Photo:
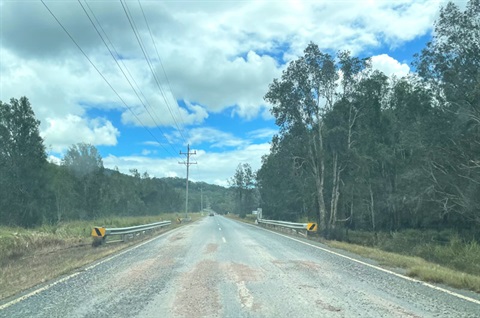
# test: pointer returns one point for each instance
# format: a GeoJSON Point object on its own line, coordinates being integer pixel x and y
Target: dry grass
{"type": "Point", "coordinates": [29, 257]}
{"type": "Point", "coordinates": [249, 218]}
{"type": "Point", "coordinates": [415, 266]}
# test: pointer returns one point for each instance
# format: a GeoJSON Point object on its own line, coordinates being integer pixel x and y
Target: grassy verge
{"type": "Point", "coordinates": [453, 262]}
{"type": "Point", "coordinates": [249, 218]}
{"type": "Point", "coordinates": [29, 257]}
{"type": "Point", "coordinates": [415, 266]}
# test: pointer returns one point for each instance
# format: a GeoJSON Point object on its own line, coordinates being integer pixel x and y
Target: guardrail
{"type": "Point", "coordinates": [308, 227]}
{"type": "Point", "coordinates": [100, 234]}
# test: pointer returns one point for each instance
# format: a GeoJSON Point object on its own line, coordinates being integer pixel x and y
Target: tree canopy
{"type": "Point", "coordinates": [364, 151]}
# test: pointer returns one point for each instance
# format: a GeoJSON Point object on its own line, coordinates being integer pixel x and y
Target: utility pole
{"type": "Point", "coordinates": [188, 163]}
{"type": "Point", "coordinates": [201, 199]}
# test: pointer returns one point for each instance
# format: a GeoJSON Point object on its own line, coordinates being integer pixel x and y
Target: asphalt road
{"type": "Point", "coordinates": [221, 268]}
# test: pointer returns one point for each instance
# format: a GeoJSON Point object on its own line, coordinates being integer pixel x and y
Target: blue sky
{"type": "Point", "coordinates": [217, 60]}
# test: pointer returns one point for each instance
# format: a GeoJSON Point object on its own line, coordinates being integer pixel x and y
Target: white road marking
{"type": "Point", "coordinates": [473, 300]}
{"type": "Point", "coordinates": [224, 240]}
{"type": "Point", "coordinates": [39, 290]}
{"type": "Point", "coordinates": [219, 228]}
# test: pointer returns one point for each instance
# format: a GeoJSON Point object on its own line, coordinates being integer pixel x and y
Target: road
{"type": "Point", "coordinates": [218, 267]}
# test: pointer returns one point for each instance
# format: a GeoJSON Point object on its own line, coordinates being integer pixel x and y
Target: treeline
{"type": "Point", "coordinates": [35, 191]}
{"type": "Point", "coordinates": [359, 150]}
{"type": "Point", "coordinates": [245, 193]}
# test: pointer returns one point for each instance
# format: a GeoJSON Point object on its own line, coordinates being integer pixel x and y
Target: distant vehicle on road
{"type": "Point", "coordinates": [211, 214]}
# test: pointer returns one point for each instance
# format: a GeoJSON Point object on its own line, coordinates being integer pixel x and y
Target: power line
{"type": "Point", "coordinates": [159, 59]}
{"type": "Point", "coordinates": [98, 71]}
{"type": "Point", "coordinates": [187, 163]}
{"type": "Point", "coordinates": [135, 31]}
{"type": "Point", "coordinates": [148, 60]}
{"type": "Point", "coordinates": [121, 69]}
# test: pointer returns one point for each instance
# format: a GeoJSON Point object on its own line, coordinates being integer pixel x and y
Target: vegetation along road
{"type": "Point", "coordinates": [218, 267]}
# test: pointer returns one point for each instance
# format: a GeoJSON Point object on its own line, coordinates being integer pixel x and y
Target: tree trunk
{"type": "Point", "coordinates": [335, 192]}
{"type": "Point", "coordinates": [372, 208]}
{"type": "Point", "coordinates": [317, 164]}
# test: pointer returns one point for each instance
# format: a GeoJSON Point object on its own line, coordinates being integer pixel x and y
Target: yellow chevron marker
{"type": "Point", "coordinates": [98, 232]}
{"type": "Point", "coordinates": [312, 227]}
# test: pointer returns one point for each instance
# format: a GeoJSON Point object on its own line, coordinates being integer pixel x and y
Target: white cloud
{"type": "Point", "coordinates": [54, 159]}
{"type": "Point", "coordinates": [61, 133]}
{"type": "Point", "coordinates": [211, 167]}
{"type": "Point", "coordinates": [262, 133]}
{"type": "Point", "coordinates": [389, 66]}
{"type": "Point", "coordinates": [151, 143]}
{"type": "Point", "coordinates": [217, 55]}
{"type": "Point", "coordinates": [214, 137]}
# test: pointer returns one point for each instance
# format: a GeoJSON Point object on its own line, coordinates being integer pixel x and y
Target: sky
{"type": "Point", "coordinates": [167, 74]}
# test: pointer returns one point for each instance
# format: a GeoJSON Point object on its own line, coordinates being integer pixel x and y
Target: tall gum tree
{"type": "Point", "coordinates": [450, 63]}
{"type": "Point", "coordinates": [22, 165]}
{"type": "Point", "coordinates": [304, 94]}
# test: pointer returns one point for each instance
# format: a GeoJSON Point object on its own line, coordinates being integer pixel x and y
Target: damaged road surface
{"type": "Point", "coordinates": [221, 268]}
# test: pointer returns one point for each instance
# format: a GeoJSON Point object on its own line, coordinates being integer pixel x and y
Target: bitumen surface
{"type": "Point", "coordinates": [218, 267]}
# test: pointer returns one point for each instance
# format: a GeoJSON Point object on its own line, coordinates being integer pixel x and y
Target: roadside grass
{"type": "Point", "coordinates": [415, 266]}
{"type": "Point", "coordinates": [437, 257]}
{"type": "Point", "coordinates": [29, 257]}
{"type": "Point", "coordinates": [249, 218]}
{"type": "Point", "coordinates": [445, 248]}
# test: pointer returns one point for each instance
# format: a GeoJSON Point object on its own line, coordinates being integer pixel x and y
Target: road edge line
{"type": "Point", "coordinates": [472, 300]}
{"type": "Point", "coordinates": [81, 270]}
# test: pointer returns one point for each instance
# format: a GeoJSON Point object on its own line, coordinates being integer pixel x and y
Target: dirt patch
{"type": "Point", "coordinates": [393, 309]}
{"type": "Point", "coordinates": [308, 265]}
{"type": "Point", "coordinates": [211, 248]}
{"type": "Point", "coordinates": [242, 272]}
{"type": "Point", "coordinates": [176, 237]}
{"type": "Point", "coordinates": [198, 295]}
{"type": "Point", "coordinates": [326, 306]}
{"type": "Point", "coordinates": [142, 271]}
{"type": "Point", "coordinates": [297, 265]}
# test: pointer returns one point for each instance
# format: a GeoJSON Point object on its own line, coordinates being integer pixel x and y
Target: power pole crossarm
{"type": "Point", "coordinates": [187, 163]}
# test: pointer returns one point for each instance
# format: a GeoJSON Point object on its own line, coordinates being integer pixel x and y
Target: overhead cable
{"type": "Point", "coordinates": [99, 72]}
{"type": "Point", "coordinates": [137, 35]}
{"type": "Point", "coordinates": [121, 69]}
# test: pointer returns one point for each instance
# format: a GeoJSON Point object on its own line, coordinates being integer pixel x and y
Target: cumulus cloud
{"type": "Point", "coordinates": [63, 132]}
{"type": "Point", "coordinates": [218, 55]}
{"type": "Point", "coordinates": [389, 66]}
{"type": "Point", "coordinates": [262, 133]}
{"type": "Point", "coordinates": [214, 137]}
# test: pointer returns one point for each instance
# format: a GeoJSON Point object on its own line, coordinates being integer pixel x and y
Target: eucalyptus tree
{"type": "Point", "coordinates": [308, 90]}
{"type": "Point", "coordinates": [22, 165]}
{"type": "Point", "coordinates": [243, 184]}
{"type": "Point", "coordinates": [84, 162]}
{"type": "Point", "coordinates": [450, 63]}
